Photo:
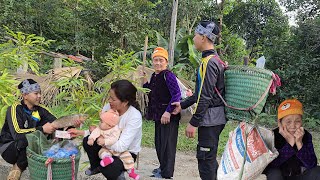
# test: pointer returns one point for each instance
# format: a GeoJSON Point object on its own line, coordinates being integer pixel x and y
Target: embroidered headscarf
{"type": "Point", "coordinates": [207, 31]}
{"type": "Point", "coordinates": [28, 86]}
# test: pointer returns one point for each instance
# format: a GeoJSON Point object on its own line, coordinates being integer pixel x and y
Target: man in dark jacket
{"type": "Point", "coordinates": [209, 115]}
{"type": "Point", "coordinates": [22, 118]}
{"type": "Point", "coordinates": [297, 159]}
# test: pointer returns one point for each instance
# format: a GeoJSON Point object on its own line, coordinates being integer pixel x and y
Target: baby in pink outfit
{"type": "Point", "coordinates": [110, 131]}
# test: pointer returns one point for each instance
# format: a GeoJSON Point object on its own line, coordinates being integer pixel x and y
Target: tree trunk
{"type": "Point", "coordinates": [23, 68]}
{"type": "Point", "coordinates": [246, 61]}
{"type": "Point", "coordinates": [144, 57]}
{"type": "Point", "coordinates": [173, 31]}
{"type": "Point", "coordinates": [220, 27]}
{"type": "Point", "coordinates": [57, 63]}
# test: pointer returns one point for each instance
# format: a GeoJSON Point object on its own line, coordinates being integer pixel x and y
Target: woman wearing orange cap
{"type": "Point", "coordinates": [164, 91]}
{"type": "Point", "coordinates": [297, 159]}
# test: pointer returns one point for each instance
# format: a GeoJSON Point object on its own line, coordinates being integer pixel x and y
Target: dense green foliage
{"type": "Point", "coordinates": [19, 50]}
{"type": "Point", "coordinates": [97, 29]}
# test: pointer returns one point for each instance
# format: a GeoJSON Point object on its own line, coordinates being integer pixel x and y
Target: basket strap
{"type": "Point", "coordinates": [251, 107]}
{"type": "Point", "coordinates": [73, 167]}
{"type": "Point", "coordinates": [48, 165]}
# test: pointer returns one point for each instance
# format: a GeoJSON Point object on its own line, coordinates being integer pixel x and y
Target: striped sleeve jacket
{"type": "Point", "coordinates": [20, 121]}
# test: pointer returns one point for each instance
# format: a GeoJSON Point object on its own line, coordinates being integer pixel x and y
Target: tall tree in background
{"type": "Point", "coordinates": [79, 25]}
{"type": "Point", "coordinates": [190, 12]}
{"type": "Point", "coordinates": [297, 58]}
{"type": "Point", "coordinates": [258, 23]}
{"type": "Point", "coordinates": [307, 9]}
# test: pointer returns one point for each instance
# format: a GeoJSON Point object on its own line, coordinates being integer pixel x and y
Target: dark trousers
{"type": "Point", "coordinates": [311, 174]}
{"type": "Point", "coordinates": [14, 156]}
{"type": "Point", "coordinates": [113, 170]}
{"type": "Point", "coordinates": [208, 139]}
{"type": "Point", "coordinates": [166, 136]}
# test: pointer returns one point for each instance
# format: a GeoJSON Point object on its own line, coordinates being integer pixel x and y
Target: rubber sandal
{"type": "Point", "coordinates": [14, 174]}
{"type": "Point", "coordinates": [90, 172]}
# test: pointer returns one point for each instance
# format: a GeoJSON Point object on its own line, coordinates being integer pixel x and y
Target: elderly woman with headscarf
{"type": "Point", "coordinates": [297, 159]}
{"type": "Point", "coordinates": [164, 91]}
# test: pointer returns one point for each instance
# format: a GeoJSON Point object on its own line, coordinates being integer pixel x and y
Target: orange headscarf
{"type": "Point", "coordinates": [288, 107]}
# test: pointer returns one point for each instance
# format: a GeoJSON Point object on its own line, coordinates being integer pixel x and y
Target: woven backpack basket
{"type": "Point", "coordinates": [247, 89]}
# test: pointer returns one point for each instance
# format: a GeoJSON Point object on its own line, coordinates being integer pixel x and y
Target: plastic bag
{"type": "Point", "coordinates": [56, 151]}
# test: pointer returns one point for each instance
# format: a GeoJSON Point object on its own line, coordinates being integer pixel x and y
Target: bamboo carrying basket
{"type": "Point", "coordinates": [62, 169]}
{"type": "Point", "coordinates": [247, 89]}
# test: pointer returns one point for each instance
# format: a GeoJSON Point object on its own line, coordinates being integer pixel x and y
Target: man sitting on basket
{"type": "Point", "coordinates": [22, 118]}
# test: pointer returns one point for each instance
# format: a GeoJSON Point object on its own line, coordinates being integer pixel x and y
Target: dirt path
{"type": "Point", "coordinates": [186, 166]}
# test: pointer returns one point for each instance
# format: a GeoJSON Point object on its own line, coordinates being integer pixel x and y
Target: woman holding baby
{"type": "Point", "coordinates": [122, 98]}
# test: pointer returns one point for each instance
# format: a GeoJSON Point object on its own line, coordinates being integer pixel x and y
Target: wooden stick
{"type": "Point", "coordinates": [144, 57]}
{"type": "Point", "coordinates": [173, 32]}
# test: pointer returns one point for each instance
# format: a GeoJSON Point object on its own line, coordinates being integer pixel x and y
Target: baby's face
{"type": "Point", "coordinates": [105, 126]}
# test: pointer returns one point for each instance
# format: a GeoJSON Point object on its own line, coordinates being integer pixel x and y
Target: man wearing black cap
{"type": "Point", "coordinates": [209, 115]}
{"type": "Point", "coordinates": [22, 118]}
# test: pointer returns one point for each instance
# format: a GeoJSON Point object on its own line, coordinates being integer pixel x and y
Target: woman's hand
{"type": "Point", "coordinates": [165, 118]}
{"type": "Point", "coordinates": [100, 141]}
{"type": "Point", "coordinates": [143, 75]}
{"type": "Point", "coordinates": [90, 142]}
{"type": "Point", "coordinates": [75, 132]}
{"type": "Point", "coordinates": [284, 132]}
{"type": "Point", "coordinates": [298, 137]}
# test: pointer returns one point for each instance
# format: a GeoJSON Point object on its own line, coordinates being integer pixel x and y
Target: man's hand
{"type": "Point", "coordinates": [189, 92]}
{"type": "Point", "coordinates": [190, 131]}
{"type": "Point", "coordinates": [75, 132]}
{"type": "Point", "coordinates": [77, 123]}
{"type": "Point", "coordinates": [177, 109]}
{"type": "Point", "coordinates": [100, 141]}
{"type": "Point", "coordinates": [298, 137]}
{"type": "Point", "coordinates": [48, 128]}
{"type": "Point", "coordinates": [284, 132]}
{"type": "Point", "coordinates": [165, 118]}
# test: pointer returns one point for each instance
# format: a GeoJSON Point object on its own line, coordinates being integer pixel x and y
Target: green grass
{"type": "Point", "coordinates": [316, 140]}
{"type": "Point", "coordinates": [184, 144]}
{"type": "Point", "coordinates": [189, 145]}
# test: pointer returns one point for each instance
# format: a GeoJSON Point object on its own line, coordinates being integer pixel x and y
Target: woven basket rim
{"type": "Point", "coordinates": [255, 69]}
{"type": "Point", "coordinates": [43, 159]}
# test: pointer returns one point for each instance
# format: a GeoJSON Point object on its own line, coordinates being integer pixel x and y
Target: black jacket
{"type": "Point", "coordinates": [19, 122]}
{"type": "Point", "coordinates": [210, 110]}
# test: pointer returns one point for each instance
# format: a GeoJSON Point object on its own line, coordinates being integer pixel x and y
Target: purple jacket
{"type": "Point", "coordinates": [291, 161]}
{"type": "Point", "coordinates": [164, 91]}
